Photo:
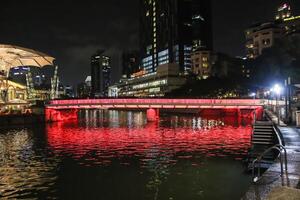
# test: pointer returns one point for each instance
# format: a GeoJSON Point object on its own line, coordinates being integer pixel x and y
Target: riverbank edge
{"type": "Point", "coordinates": [21, 119]}
{"type": "Point", "coordinates": [271, 183]}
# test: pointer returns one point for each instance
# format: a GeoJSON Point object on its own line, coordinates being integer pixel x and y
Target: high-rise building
{"type": "Point", "coordinates": [171, 29]}
{"type": "Point", "coordinates": [283, 11]}
{"type": "Point", "coordinates": [100, 73]}
{"type": "Point", "coordinates": [130, 63]}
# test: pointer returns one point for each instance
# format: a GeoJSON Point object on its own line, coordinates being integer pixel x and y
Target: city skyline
{"type": "Point", "coordinates": [73, 34]}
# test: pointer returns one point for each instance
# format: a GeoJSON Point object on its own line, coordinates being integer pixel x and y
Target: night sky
{"type": "Point", "coordinates": [72, 31]}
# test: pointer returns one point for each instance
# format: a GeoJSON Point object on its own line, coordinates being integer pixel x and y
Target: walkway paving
{"type": "Point", "coordinates": [271, 181]}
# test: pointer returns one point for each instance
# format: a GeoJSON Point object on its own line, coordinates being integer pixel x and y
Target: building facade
{"type": "Point", "coordinates": [100, 74]}
{"type": "Point", "coordinates": [264, 35]}
{"type": "Point", "coordinates": [159, 84]}
{"type": "Point", "coordinates": [260, 37]}
{"type": "Point", "coordinates": [171, 29]}
{"type": "Point", "coordinates": [291, 25]}
{"type": "Point", "coordinates": [202, 63]}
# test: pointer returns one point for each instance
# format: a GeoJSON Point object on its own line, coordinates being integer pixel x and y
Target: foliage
{"type": "Point", "coordinates": [277, 63]}
{"type": "Point", "coordinates": [213, 87]}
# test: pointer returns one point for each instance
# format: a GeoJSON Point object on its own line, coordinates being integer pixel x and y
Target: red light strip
{"type": "Point", "coordinates": [156, 103]}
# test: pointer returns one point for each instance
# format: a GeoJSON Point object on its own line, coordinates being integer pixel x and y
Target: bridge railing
{"type": "Point", "coordinates": [160, 101]}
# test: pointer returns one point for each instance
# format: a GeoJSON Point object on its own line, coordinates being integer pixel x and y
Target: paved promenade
{"type": "Point", "coordinates": [271, 183]}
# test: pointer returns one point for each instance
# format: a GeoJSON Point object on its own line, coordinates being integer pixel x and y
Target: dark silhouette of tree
{"type": "Point", "coordinates": [278, 62]}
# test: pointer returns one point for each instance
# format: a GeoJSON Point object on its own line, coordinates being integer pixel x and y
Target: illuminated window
{"type": "Point", "coordinates": [205, 65]}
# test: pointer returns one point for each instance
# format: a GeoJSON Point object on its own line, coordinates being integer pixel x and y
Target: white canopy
{"type": "Point", "coordinates": [14, 56]}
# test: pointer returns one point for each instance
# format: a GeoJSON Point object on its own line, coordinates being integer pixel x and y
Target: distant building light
{"type": "Point", "coordinates": [195, 17]}
{"type": "Point", "coordinates": [291, 18]}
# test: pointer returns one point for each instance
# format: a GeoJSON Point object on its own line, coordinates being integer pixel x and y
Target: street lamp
{"type": "Point", "coordinates": [277, 89]}
{"type": "Point", "coordinates": [253, 95]}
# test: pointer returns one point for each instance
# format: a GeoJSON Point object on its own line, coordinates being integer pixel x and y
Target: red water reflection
{"type": "Point", "coordinates": [210, 138]}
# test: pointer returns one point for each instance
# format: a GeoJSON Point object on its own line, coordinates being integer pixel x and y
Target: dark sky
{"type": "Point", "coordinates": [71, 31]}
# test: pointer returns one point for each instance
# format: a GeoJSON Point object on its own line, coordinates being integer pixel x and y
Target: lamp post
{"type": "Point", "coordinates": [253, 95]}
{"type": "Point", "coordinates": [277, 89]}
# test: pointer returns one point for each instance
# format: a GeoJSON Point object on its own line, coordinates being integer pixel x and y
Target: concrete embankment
{"type": "Point", "coordinates": [20, 119]}
{"type": "Point", "coordinates": [272, 185]}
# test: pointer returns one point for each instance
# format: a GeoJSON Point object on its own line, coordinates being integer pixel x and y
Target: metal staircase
{"type": "Point", "coordinates": [267, 145]}
{"type": "Point", "coordinates": [264, 136]}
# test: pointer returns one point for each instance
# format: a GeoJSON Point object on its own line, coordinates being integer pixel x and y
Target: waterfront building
{"type": "Point", "coordinates": [21, 77]}
{"type": "Point", "coordinates": [113, 91]}
{"type": "Point", "coordinates": [130, 63]}
{"type": "Point", "coordinates": [261, 36]}
{"type": "Point", "coordinates": [100, 74]}
{"type": "Point", "coordinates": [171, 29]}
{"type": "Point", "coordinates": [159, 84]}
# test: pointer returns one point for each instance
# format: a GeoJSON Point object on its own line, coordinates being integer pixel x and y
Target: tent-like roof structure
{"type": "Point", "coordinates": [14, 56]}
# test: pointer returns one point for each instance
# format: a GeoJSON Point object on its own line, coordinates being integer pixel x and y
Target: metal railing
{"type": "Point", "coordinates": [277, 147]}
{"type": "Point", "coordinates": [276, 130]}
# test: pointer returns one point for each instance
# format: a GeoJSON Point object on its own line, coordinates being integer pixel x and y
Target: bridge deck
{"type": "Point", "coordinates": [155, 103]}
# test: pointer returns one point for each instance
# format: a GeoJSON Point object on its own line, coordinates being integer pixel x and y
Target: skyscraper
{"type": "Point", "coordinates": [101, 74]}
{"type": "Point", "coordinates": [283, 12]}
{"type": "Point", "coordinates": [171, 29]}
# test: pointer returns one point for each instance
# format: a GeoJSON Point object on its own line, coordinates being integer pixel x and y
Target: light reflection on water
{"type": "Point", "coordinates": [108, 151]}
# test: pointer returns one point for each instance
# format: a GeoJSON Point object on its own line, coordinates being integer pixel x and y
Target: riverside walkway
{"type": "Point", "coordinates": [272, 185]}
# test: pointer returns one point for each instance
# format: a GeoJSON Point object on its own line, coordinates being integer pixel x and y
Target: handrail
{"type": "Point", "coordinates": [275, 128]}
{"type": "Point", "coordinates": [278, 147]}
{"type": "Point", "coordinates": [279, 135]}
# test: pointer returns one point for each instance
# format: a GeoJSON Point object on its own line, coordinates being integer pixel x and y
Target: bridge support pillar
{"type": "Point", "coordinates": [55, 115]}
{"type": "Point", "coordinates": [152, 114]}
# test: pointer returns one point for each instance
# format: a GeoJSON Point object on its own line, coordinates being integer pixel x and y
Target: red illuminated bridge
{"type": "Point", "coordinates": [57, 110]}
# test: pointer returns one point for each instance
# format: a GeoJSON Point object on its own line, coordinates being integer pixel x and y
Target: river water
{"type": "Point", "coordinates": [116, 155]}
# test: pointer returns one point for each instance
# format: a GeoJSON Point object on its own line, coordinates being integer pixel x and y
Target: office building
{"type": "Point", "coordinates": [171, 29]}
{"type": "Point", "coordinates": [159, 84]}
{"type": "Point", "coordinates": [291, 25]}
{"type": "Point", "coordinates": [100, 74]}
{"type": "Point", "coordinates": [283, 12]}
